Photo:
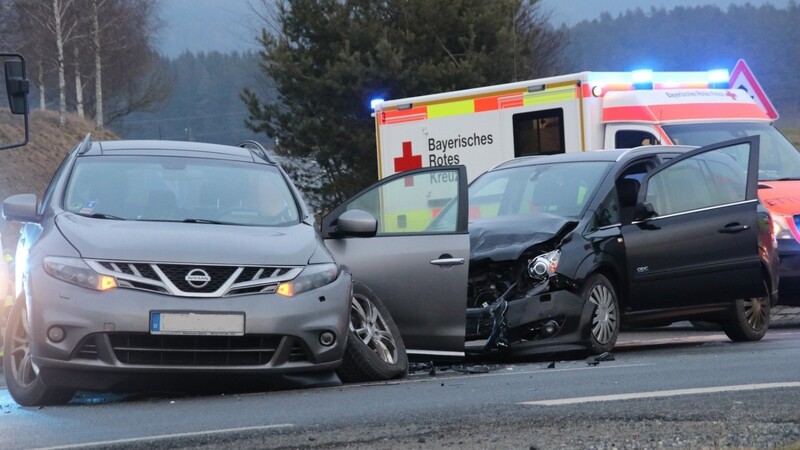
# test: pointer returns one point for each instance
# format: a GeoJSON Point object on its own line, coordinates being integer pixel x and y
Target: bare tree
{"type": "Point", "coordinates": [64, 30]}
{"type": "Point", "coordinates": [78, 83]}
{"type": "Point", "coordinates": [98, 63]}
{"type": "Point", "coordinates": [127, 77]}
{"type": "Point", "coordinates": [106, 45]}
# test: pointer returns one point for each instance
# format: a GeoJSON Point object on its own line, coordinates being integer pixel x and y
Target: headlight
{"type": "Point", "coordinates": [77, 272]}
{"type": "Point", "coordinates": [780, 227]}
{"type": "Point", "coordinates": [544, 266]}
{"type": "Point", "coordinates": [312, 277]}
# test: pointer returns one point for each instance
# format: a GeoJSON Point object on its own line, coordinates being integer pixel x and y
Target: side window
{"type": "Point", "coordinates": [633, 138]}
{"type": "Point", "coordinates": [539, 132]}
{"type": "Point", "coordinates": [408, 205]}
{"type": "Point", "coordinates": [713, 178]}
{"type": "Point", "coordinates": [48, 194]}
{"type": "Point", "coordinates": [608, 211]}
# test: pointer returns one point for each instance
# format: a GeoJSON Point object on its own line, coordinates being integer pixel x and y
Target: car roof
{"type": "Point", "coordinates": [174, 148]}
{"type": "Point", "coordinates": [615, 155]}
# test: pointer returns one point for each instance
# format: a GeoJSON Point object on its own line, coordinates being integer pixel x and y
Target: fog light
{"type": "Point", "coordinates": [549, 328]}
{"type": "Point", "coordinates": [327, 338]}
{"type": "Point", "coordinates": [55, 334]}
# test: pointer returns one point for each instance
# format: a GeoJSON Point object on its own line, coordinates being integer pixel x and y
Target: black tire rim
{"type": "Point", "coordinates": [756, 312]}
{"type": "Point", "coordinates": [23, 370]}
{"type": "Point", "coordinates": [604, 320]}
{"type": "Point", "coordinates": [367, 323]}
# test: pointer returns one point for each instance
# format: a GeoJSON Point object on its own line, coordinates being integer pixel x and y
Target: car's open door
{"type": "Point", "coordinates": [695, 237]}
{"type": "Point", "coordinates": [417, 258]}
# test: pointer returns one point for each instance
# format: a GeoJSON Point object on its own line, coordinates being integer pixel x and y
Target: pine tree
{"type": "Point", "coordinates": [328, 58]}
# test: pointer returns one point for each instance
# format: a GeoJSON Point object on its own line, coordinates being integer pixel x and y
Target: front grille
{"type": "Point", "coordinates": [163, 350]}
{"type": "Point", "coordinates": [170, 279]}
{"type": "Point", "coordinates": [177, 275]}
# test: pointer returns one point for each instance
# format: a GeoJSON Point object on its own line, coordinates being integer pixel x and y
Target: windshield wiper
{"type": "Point", "coordinates": [215, 222]}
{"type": "Point", "coordinates": [101, 216]}
{"type": "Point", "coordinates": [786, 179]}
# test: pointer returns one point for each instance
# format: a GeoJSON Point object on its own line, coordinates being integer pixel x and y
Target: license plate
{"type": "Point", "coordinates": [197, 323]}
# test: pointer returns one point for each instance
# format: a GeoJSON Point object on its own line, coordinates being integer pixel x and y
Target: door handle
{"type": "Point", "coordinates": [733, 228]}
{"type": "Point", "coordinates": [448, 261]}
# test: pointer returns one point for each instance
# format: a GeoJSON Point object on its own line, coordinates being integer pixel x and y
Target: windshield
{"type": "Point", "coordinates": [778, 160]}
{"type": "Point", "coordinates": [155, 188]}
{"type": "Point", "coordinates": [562, 189]}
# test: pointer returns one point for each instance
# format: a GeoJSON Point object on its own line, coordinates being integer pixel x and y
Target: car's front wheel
{"type": "Point", "coordinates": [22, 376]}
{"type": "Point", "coordinates": [375, 350]}
{"type": "Point", "coordinates": [604, 326]}
{"type": "Point", "coordinates": [748, 319]}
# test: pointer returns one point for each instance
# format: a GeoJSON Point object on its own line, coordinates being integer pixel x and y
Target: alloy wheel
{"type": "Point", "coordinates": [22, 368]}
{"type": "Point", "coordinates": [368, 324]}
{"type": "Point", "coordinates": [755, 312]}
{"type": "Point", "coordinates": [604, 320]}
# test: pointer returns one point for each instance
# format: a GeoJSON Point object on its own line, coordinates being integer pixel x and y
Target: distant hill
{"type": "Point", "coordinates": [29, 169]}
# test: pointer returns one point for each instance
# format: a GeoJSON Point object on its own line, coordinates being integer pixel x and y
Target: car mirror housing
{"type": "Point", "coordinates": [17, 87]}
{"type": "Point", "coordinates": [21, 208]}
{"type": "Point", "coordinates": [357, 223]}
{"type": "Point", "coordinates": [644, 211]}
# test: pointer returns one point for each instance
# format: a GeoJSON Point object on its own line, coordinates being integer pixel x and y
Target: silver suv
{"type": "Point", "coordinates": [168, 258]}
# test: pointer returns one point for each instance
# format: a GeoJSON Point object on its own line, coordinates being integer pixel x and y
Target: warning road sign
{"type": "Point", "coordinates": [742, 78]}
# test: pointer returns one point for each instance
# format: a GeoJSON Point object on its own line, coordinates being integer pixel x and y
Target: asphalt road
{"type": "Point", "coordinates": [684, 389]}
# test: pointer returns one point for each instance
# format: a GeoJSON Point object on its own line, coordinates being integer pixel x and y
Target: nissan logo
{"type": "Point", "coordinates": [197, 278]}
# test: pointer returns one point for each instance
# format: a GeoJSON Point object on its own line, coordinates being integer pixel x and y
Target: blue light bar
{"type": "Point", "coordinates": [375, 102]}
{"type": "Point", "coordinates": [718, 76]}
{"type": "Point", "coordinates": [642, 76]}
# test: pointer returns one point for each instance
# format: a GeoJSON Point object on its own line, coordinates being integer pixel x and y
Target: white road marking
{"type": "Point", "coordinates": [654, 394]}
{"type": "Point", "coordinates": [100, 444]}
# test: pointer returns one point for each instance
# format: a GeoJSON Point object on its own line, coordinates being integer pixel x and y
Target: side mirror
{"type": "Point", "coordinates": [356, 223]}
{"type": "Point", "coordinates": [21, 208]}
{"type": "Point", "coordinates": [17, 86]}
{"type": "Point", "coordinates": [643, 211]}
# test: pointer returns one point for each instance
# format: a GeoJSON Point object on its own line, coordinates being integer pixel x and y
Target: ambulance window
{"type": "Point", "coordinates": [633, 138]}
{"type": "Point", "coordinates": [539, 132]}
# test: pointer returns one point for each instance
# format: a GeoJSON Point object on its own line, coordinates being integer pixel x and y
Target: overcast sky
{"type": "Point", "coordinates": [208, 25]}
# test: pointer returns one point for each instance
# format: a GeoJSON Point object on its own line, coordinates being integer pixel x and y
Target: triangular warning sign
{"type": "Point", "coordinates": [742, 78]}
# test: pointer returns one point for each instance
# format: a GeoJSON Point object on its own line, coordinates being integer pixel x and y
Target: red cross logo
{"type": "Point", "coordinates": [731, 95]}
{"type": "Point", "coordinates": [408, 161]}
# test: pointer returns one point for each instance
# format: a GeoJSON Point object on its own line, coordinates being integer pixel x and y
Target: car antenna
{"type": "Point", "coordinates": [86, 144]}
{"type": "Point", "coordinates": [258, 150]}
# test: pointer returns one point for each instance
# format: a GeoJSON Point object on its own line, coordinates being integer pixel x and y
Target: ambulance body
{"type": "Point", "coordinates": [482, 127]}
{"type": "Point", "coordinates": [586, 111]}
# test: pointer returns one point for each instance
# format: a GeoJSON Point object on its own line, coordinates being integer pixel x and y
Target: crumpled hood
{"type": "Point", "coordinates": [506, 238]}
{"type": "Point", "coordinates": [195, 243]}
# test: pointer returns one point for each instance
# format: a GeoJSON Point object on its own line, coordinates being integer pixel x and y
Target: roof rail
{"type": "Point", "coordinates": [86, 144]}
{"type": "Point", "coordinates": [257, 150]}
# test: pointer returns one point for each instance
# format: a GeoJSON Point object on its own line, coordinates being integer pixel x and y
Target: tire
{"type": "Point", "coordinates": [748, 320]}
{"type": "Point", "coordinates": [22, 376]}
{"type": "Point", "coordinates": [4, 313]}
{"type": "Point", "coordinates": [367, 358]}
{"type": "Point", "coordinates": [605, 323]}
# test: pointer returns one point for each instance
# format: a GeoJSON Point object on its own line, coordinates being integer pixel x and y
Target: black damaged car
{"type": "Point", "coordinates": [558, 253]}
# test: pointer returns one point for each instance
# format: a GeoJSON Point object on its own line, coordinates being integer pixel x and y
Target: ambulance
{"type": "Point", "coordinates": [587, 111]}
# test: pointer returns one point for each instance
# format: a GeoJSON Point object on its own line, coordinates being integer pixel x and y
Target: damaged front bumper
{"type": "Point", "coordinates": [539, 322]}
